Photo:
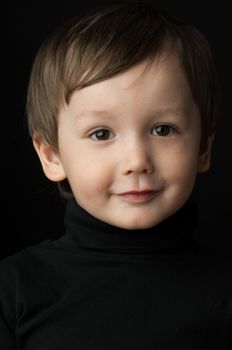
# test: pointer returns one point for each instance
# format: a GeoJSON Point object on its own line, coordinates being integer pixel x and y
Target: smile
{"type": "Point", "coordinates": [139, 197]}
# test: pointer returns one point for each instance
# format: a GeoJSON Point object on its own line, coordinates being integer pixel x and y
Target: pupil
{"type": "Point", "coordinates": [162, 130]}
{"type": "Point", "coordinates": [102, 134]}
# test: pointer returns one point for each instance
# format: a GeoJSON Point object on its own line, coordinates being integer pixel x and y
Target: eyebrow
{"type": "Point", "coordinates": [92, 112]}
{"type": "Point", "coordinates": [177, 112]}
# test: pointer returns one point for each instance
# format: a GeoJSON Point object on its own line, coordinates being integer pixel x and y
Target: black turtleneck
{"type": "Point", "coordinates": [85, 232]}
{"type": "Point", "coordinates": [101, 287]}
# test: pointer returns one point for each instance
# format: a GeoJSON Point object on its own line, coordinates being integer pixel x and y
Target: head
{"type": "Point", "coordinates": [124, 98]}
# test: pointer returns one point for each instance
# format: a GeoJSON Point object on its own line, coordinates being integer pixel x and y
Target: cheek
{"type": "Point", "coordinates": [181, 167]}
{"type": "Point", "coordinates": [90, 176]}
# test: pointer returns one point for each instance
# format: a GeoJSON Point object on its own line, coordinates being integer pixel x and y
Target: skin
{"type": "Point", "coordinates": [132, 153]}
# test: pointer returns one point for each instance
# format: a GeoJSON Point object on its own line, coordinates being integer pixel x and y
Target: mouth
{"type": "Point", "coordinates": [139, 196]}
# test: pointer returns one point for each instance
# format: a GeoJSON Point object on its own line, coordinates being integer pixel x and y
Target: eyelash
{"type": "Point", "coordinates": [104, 129]}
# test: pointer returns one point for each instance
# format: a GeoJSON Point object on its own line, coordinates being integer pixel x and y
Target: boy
{"type": "Point", "coordinates": [122, 109]}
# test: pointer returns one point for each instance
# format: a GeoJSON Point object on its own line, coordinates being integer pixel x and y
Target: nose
{"type": "Point", "coordinates": [137, 159]}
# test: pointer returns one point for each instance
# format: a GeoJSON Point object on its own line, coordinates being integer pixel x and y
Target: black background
{"type": "Point", "coordinates": [32, 209]}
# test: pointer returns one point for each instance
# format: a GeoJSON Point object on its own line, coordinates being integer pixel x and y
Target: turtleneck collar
{"type": "Point", "coordinates": [174, 235]}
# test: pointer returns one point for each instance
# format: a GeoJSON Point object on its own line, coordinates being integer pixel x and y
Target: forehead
{"type": "Point", "coordinates": [162, 85]}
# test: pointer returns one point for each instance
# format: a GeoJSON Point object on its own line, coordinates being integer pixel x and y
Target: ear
{"type": "Point", "coordinates": [204, 159]}
{"type": "Point", "coordinates": [49, 159]}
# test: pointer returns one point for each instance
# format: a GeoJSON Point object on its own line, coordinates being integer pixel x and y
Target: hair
{"type": "Point", "coordinates": [107, 40]}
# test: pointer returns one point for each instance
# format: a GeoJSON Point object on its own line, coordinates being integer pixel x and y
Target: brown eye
{"type": "Point", "coordinates": [163, 130]}
{"type": "Point", "coordinates": [101, 135]}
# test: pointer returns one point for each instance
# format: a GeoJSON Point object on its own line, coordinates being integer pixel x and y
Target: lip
{"type": "Point", "coordinates": [139, 196]}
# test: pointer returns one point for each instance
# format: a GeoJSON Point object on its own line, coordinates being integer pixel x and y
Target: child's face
{"type": "Point", "coordinates": [105, 154]}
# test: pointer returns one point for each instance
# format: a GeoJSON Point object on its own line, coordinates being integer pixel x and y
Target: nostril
{"type": "Point", "coordinates": [137, 171]}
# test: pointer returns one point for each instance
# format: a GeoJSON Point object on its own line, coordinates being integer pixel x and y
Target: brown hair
{"type": "Point", "coordinates": [107, 40]}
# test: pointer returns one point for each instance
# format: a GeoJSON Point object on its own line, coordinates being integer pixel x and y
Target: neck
{"type": "Point", "coordinates": [173, 235]}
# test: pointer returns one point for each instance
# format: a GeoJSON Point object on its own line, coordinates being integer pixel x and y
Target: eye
{"type": "Point", "coordinates": [101, 135]}
{"type": "Point", "coordinates": [163, 130]}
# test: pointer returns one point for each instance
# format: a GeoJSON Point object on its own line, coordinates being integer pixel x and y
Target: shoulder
{"type": "Point", "coordinates": [212, 257]}
{"type": "Point", "coordinates": [27, 266]}
{"type": "Point", "coordinates": [31, 256]}
{"type": "Point", "coordinates": [219, 257]}
{"type": "Point", "coordinates": [24, 276]}
{"type": "Point", "coordinates": [21, 257]}
{"type": "Point", "coordinates": [216, 267]}
{"type": "Point", "coordinates": [24, 264]}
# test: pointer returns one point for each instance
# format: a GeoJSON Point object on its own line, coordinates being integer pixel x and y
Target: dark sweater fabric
{"type": "Point", "coordinates": [100, 287]}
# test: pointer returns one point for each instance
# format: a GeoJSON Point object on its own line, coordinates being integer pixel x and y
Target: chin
{"type": "Point", "coordinates": [142, 224]}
